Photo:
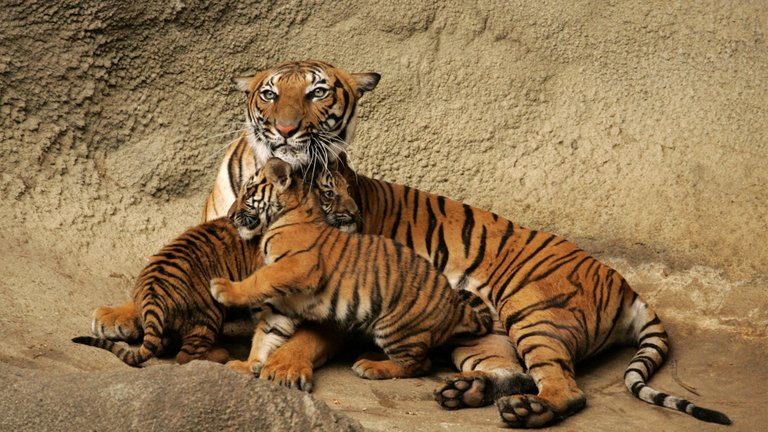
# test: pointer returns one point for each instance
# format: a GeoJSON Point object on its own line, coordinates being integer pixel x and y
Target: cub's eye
{"type": "Point", "coordinates": [319, 93]}
{"type": "Point", "coordinates": [329, 195]}
{"type": "Point", "coordinates": [268, 95]}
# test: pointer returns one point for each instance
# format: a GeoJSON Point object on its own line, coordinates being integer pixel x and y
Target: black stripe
{"type": "Point", "coordinates": [466, 229]}
{"type": "Point", "coordinates": [480, 253]}
{"type": "Point", "coordinates": [659, 398]}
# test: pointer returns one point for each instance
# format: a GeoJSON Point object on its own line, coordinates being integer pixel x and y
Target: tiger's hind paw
{"type": "Point", "coordinates": [118, 323]}
{"type": "Point", "coordinates": [468, 389]}
{"type": "Point", "coordinates": [369, 367]}
{"type": "Point", "coordinates": [524, 410]}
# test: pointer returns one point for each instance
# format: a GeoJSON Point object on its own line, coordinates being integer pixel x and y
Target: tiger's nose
{"type": "Point", "coordinates": [287, 130]}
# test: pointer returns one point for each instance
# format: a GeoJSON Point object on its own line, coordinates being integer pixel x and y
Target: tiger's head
{"type": "Point", "coordinates": [302, 112]}
{"type": "Point", "coordinates": [275, 189]}
{"type": "Point", "coordinates": [336, 201]}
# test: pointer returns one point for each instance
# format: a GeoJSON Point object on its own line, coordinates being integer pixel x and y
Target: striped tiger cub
{"type": "Point", "coordinates": [367, 283]}
{"type": "Point", "coordinates": [171, 300]}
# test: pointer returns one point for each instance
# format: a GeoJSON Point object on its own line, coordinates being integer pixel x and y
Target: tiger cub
{"type": "Point", "coordinates": [171, 300]}
{"type": "Point", "coordinates": [367, 283]}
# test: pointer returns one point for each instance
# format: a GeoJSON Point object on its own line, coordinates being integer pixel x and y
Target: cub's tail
{"type": "Point", "coordinates": [129, 356]}
{"type": "Point", "coordinates": [150, 345]}
{"type": "Point", "coordinates": [476, 317]}
{"type": "Point", "coordinates": [654, 348]}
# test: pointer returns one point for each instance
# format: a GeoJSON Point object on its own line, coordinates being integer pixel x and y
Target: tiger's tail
{"type": "Point", "coordinates": [476, 317]}
{"type": "Point", "coordinates": [654, 348]}
{"type": "Point", "coordinates": [152, 323]}
{"type": "Point", "coordinates": [123, 352]}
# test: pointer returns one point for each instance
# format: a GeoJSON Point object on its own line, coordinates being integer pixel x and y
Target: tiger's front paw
{"type": "Point", "coordinates": [288, 371]}
{"type": "Point", "coordinates": [226, 292]}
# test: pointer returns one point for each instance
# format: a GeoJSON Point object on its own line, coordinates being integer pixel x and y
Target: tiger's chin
{"type": "Point", "coordinates": [348, 227]}
{"type": "Point", "coordinates": [301, 154]}
{"type": "Point", "coordinates": [247, 233]}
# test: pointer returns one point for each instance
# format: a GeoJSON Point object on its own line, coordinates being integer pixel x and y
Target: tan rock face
{"type": "Point", "coordinates": [639, 131]}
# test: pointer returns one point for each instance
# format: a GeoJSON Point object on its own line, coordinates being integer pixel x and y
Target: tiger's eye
{"type": "Point", "coordinates": [319, 93]}
{"type": "Point", "coordinates": [329, 194]}
{"type": "Point", "coordinates": [268, 95]}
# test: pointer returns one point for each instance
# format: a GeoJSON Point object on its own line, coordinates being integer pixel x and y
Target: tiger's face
{"type": "Point", "coordinates": [273, 189]}
{"type": "Point", "coordinates": [258, 204]}
{"type": "Point", "coordinates": [302, 112]}
{"type": "Point", "coordinates": [336, 200]}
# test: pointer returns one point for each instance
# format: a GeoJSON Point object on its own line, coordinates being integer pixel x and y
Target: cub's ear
{"type": "Point", "coordinates": [333, 164]}
{"type": "Point", "coordinates": [243, 82]}
{"type": "Point", "coordinates": [365, 82]}
{"type": "Point", "coordinates": [278, 173]}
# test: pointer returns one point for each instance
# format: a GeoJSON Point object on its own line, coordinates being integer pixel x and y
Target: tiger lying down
{"type": "Point", "coordinates": [171, 301]}
{"type": "Point", "coordinates": [557, 304]}
{"type": "Point", "coordinates": [362, 282]}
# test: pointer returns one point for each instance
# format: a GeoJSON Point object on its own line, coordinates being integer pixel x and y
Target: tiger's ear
{"type": "Point", "coordinates": [243, 82]}
{"type": "Point", "coordinates": [333, 165]}
{"type": "Point", "coordinates": [365, 82]}
{"type": "Point", "coordinates": [278, 173]}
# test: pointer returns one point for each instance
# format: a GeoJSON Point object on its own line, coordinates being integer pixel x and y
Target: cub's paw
{"type": "Point", "coordinates": [287, 372]}
{"type": "Point", "coordinates": [467, 389]}
{"type": "Point", "coordinates": [369, 366]}
{"type": "Point", "coordinates": [118, 323]}
{"type": "Point", "coordinates": [217, 355]}
{"type": "Point", "coordinates": [224, 291]}
{"type": "Point", "coordinates": [524, 411]}
{"type": "Point", "coordinates": [238, 366]}
{"type": "Point", "coordinates": [372, 369]}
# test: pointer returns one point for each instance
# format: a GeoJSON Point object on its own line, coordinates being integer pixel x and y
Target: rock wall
{"type": "Point", "coordinates": [639, 130]}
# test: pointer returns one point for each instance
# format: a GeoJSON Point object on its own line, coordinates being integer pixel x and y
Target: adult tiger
{"type": "Point", "coordinates": [301, 112]}
{"type": "Point", "coordinates": [557, 304]}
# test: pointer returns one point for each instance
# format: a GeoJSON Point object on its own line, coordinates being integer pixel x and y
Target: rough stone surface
{"type": "Point", "coordinates": [637, 129]}
{"type": "Point", "coordinates": [165, 397]}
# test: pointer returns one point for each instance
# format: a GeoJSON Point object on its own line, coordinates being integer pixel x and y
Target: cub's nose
{"type": "Point", "coordinates": [287, 130]}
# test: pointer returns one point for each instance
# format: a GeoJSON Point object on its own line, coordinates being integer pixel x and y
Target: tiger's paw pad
{"type": "Point", "coordinates": [468, 389]}
{"type": "Point", "coordinates": [524, 411]}
{"type": "Point", "coordinates": [238, 366]}
{"type": "Point", "coordinates": [291, 376]}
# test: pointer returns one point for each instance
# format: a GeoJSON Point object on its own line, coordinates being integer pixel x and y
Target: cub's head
{"type": "Point", "coordinates": [263, 198]}
{"type": "Point", "coordinates": [303, 112]}
{"type": "Point", "coordinates": [338, 206]}
{"type": "Point", "coordinates": [274, 189]}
